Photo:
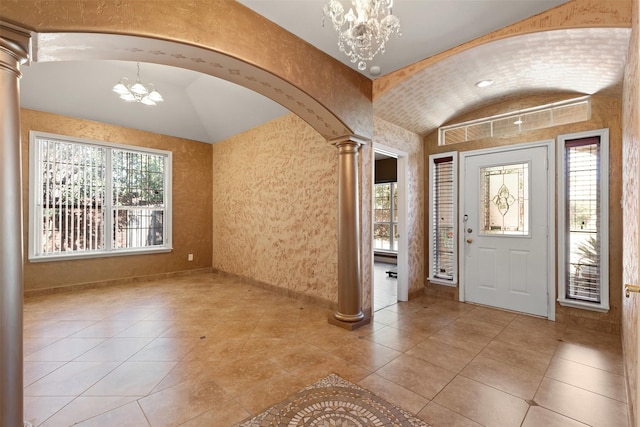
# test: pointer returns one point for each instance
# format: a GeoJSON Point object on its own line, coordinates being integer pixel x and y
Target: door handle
{"type": "Point", "coordinates": [630, 288]}
{"type": "Point", "coordinates": [470, 240]}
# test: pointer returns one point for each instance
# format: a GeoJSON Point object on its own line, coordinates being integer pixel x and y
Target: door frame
{"type": "Point", "coordinates": [551, 215]}
{"type": "Point", "coordinates": [403, 219]}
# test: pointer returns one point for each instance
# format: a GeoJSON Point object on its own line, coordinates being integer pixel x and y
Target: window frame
{"type": "Point", "coordinates": [603, 222]}
{"type": "Point", "coordinates": [35, 181]}
{"type": "Point", "coordinates": [393, 211]}
{"type": "Point", "coordinates": [432, 161]}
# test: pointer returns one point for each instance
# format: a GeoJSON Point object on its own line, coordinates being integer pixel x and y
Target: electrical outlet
{"type": "Point", "coordinates": [190, 257]}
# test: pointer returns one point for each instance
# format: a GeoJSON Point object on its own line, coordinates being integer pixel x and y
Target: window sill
{"type": "Point", "coordinates": [584, 305]}
{"type": "Point", "coordinates": [71, 257]}
{"type": "Point", "coordinates": [444, 282]}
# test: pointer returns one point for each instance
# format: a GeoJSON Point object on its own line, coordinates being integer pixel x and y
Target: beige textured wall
{"type": "Point", "coordinates": [605, 113]}
{"type": "Point", "coordinates": [191, 206]}
{"type": "Point", "coordinates": [631, 212]}
{"type": "Point", "coordinates": [275, 193]}
{"type": "Point", "coordinates": [391, 135]}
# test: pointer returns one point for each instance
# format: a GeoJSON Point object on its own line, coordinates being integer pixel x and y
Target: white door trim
{"type": "Point", "coordinates": [403, 218]}
{"type": "Point", "coordinates": [551, 212]}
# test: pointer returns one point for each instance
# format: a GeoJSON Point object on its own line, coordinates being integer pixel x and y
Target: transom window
{"type": "Point", "coordinates": [92, 199]}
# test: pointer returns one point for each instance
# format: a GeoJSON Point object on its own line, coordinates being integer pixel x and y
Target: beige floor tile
{"type": "Point", "coordinates": [538, 417]}
{"type": "Point", "coordinates": [114, 349]}
{"type": "Point", "coordinates": [33, 371]}
{"type": "Point", "coordinates": [231, 414]}
{"type": "Point", "coordinates": [241, 374]}
{"type": "Point", "coordinates": [478, 326]}
{"type": "Point", "coordinates": [458, 336]}
{"type": "Point", "coordinates": [540, 343]}
{"type": "Point", "coordinates": [368, 354]}
{"type": "Point", "coordinates": [126, 416]}
{"type": "Point", "coordinates": [595, 339]}
{"type": "Point", "coordinates": [443, 355]}
{"type": "Point", "coordinates": [31, 345]}
{"type": "Point", "coordinates": [439, 416]}
{"type": "Point", "coordinates": [392, 392]}
{"type": "Point", "coordinates": [103, 329]}
{"type": "Point", "coordinates": [534, 325]}
{"type": "Point", "coordinates": [491, 315]}
{"type": "Point", "coordinates": [146, 328]}
{"type": "Point", "coordinates": [297, 356]}
{"type": "Point", "coordinates": [38, 409]}
{"type": "Point", "coordinates": [592, 379]}
{"type": "Point", "coordinates": [397, 339]}
{"type": "Point", "coordinates": [417, 375]}
{"type": "Point", "coordinates": [482, 404]}
{"type": "Point", "coordinates": [594, 357]}
{"type": "Point", "coordinates": [71, 379]}
{"type": "Point", "coordinates": [517, 356]}
{"type": "Point", "coordinates": [165, 350]}
{"type": "Point", "coordinates": [266, 393]}
{"type": "Point", "coordinates": [131, 379]}
{"type": "Point", "coordinates": [56, 328]}
{"type": "Point", "coordinates": [84, 408]}
{"type": "Point", "coordinates": [64, 350]}
{"type": "Point", "coordinates": [505, 377]}
{"type": "Point", "coordinates": [582, 405]}
{"type": "Point", "coordinates": [182, 402]}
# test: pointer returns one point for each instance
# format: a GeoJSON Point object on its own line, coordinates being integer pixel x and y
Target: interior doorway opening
{"type": "Point", "coordinates": [390, 266]}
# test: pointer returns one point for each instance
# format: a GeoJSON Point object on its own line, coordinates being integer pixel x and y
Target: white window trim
{"type": "Point", "coordinates": [603, 306]}
{"type": "Point", "coordinates": [32, 226]}
{"type": "Point", "coordinates": [432, 158]}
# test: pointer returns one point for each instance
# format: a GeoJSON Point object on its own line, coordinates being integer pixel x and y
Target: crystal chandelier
{"type": "Point", "coordinates": [137, 92]}
{"type": "Point", "coordinates": [363, 33]}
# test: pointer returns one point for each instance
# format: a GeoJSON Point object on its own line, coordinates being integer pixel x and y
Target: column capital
{"type": "Point", "coordinates": [15, 40]}
{"type": "Point", "coordinates": [349, 140]}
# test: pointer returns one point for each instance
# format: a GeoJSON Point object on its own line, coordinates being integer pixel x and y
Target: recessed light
{"type": "Point", "coordinates": [375, 70]}
{"type": "Point", "coordinates": [484, 83]}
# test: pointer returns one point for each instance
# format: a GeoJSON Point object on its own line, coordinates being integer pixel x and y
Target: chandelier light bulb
{"type": "Point", "coordinates": [137, 92]}
{"type": "Point", "coordinates": [362, 34]}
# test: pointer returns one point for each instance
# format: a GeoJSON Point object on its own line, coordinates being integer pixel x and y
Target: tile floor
{"type": "Point", "coordinates": [209, 350]}
{"type": "Point", "coordinates": [385, 288]}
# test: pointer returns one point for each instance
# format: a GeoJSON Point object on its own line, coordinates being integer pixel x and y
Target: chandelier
{"type": "Point", "coordinates": [363, 33]}
{"type": "Point", "coordinates": [137, 92]}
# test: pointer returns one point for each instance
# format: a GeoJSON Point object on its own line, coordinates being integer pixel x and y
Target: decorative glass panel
{"type": "Point", "coordinates": [504, 199]}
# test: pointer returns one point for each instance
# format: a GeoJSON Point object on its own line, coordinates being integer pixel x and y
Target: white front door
{"type": "Point", "coordinates": [505, 230]}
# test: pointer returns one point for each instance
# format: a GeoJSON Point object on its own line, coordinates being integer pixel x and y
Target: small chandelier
{"type": "Point", "coordinates": [137, 92]}
{"type": "Point", "coordinates": [363, 33]}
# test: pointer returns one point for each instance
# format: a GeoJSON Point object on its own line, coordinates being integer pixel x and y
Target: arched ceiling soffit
{"type": "Point", "coordinates": [223, 39]}
{"type": "Point", "coordinates": [583, 61]}
{"type": "Point", "coordinates": [573, 14]}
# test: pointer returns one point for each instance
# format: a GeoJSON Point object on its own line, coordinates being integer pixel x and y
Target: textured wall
{"type": "Point", "coordinates": [191, 206]}
{"type": "Point", "coordinates": [631, 213]}
{"type": "Point", "coordinates": [390, 135]}
{"type": "Point", "coordinates": [275, 193]}
{"type": "Point", "coordinates": [605, 113]}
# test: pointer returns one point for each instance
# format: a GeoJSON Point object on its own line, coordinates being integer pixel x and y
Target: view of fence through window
{"type": "Point", "coordinates": [385, 227]}
{"type": "Point", "coordinates": [95, 198]}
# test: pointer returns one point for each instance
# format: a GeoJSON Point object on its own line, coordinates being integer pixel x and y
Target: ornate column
{"type": "Point", "coordinates": [349, 314]}
{"type": "Point", "coordinates": [14, 50]}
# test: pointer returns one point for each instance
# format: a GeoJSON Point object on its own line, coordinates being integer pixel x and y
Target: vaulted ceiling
{"type": "Point", "coordinates": [204, 108]}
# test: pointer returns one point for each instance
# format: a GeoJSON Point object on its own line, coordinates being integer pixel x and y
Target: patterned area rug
{"type": "Point", "coordinates": [334, 402]}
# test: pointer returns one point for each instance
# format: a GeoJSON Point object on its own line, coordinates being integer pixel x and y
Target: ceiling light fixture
{"type": "Point", "coordinates": [484, 83]}
{"type": "Point", "coordinates": [137, 92]}
{"type": "Point", "coordinates": [363, 33]}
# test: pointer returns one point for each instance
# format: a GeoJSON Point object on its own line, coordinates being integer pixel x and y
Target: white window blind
{"type": "Point", "coordinates": [93, 199]}
{"type": "Point", "coordinates": [442, 218]}
{"type": "Point", "coordinates": [583, 228]}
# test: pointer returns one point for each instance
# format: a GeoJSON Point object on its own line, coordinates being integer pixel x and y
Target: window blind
{"type": "Point", "coordinates": [443, 205]}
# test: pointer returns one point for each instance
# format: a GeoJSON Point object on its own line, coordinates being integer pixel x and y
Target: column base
{"type": "Point", "coordinates": [350, 325]}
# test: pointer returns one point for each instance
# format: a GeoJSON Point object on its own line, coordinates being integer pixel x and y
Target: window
{"type": "Point", "coordinates": [442, 218]}
{"type": "Point", "coordinates": [92, 199]}
{"type": "Point", "coordinates": [543, 116]}
{"type": "Point", "coordinates": [385, 227]}
{"type": "Point", "coordinates": [583, 220]}
{"type": "Point", "coordinates": [504, 200]}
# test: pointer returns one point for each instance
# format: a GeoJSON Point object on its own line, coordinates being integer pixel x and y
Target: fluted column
{"type": "Point", "coordinates": [349, 314]}
{"type": "Point", "coordinates": [13, 52]}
